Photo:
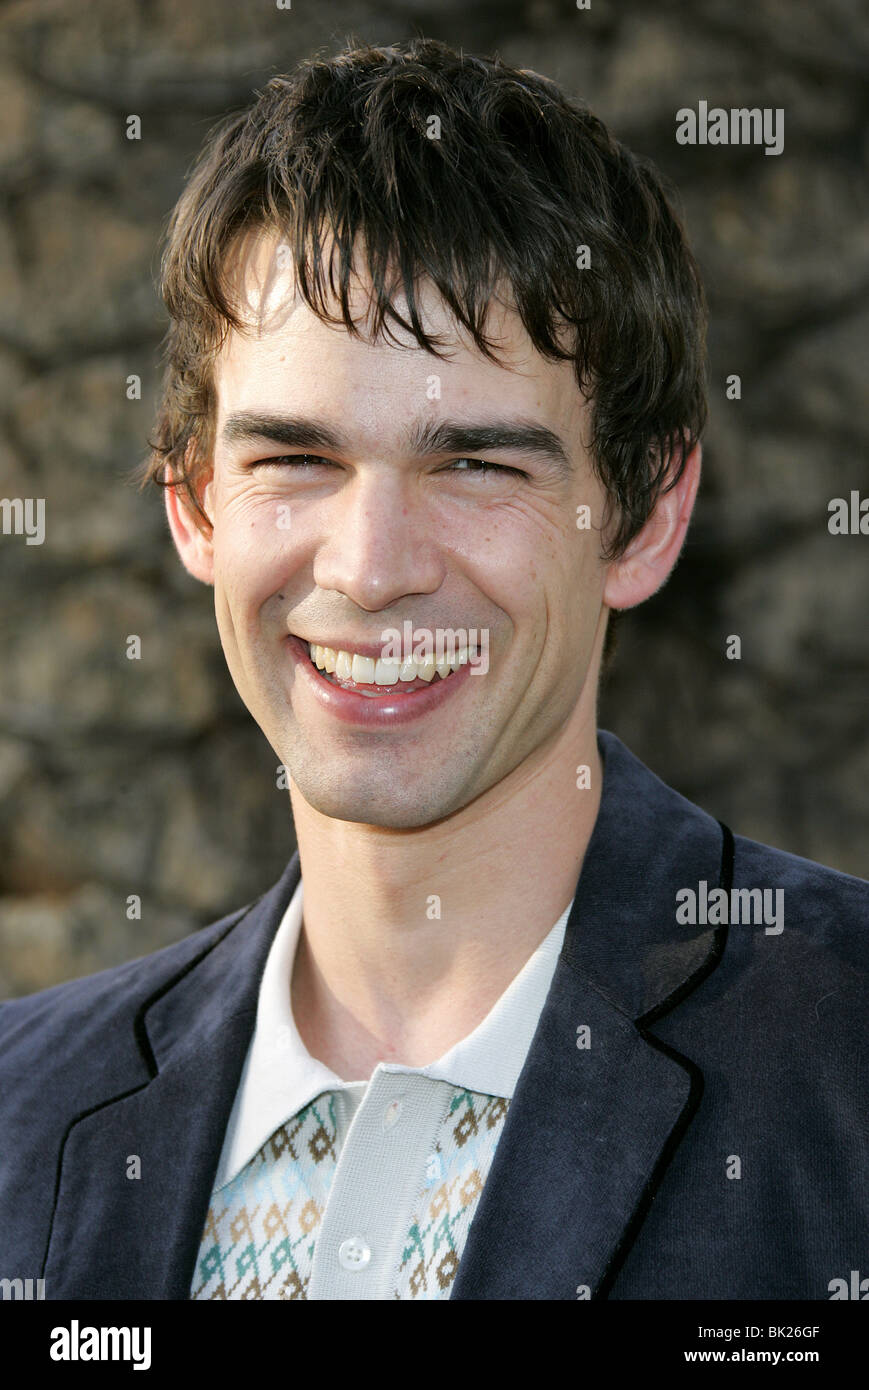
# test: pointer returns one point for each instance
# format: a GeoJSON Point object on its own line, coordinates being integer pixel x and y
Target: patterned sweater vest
{"type": "Point", "coordinates": [261, 1230]}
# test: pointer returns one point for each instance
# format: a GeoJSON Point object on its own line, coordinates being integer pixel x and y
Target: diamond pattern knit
{"type": "Point", "coordinates": [261, 1230]}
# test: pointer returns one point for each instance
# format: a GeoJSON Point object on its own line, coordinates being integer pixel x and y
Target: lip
{"type": "Point", "coordinates": [383, 712]}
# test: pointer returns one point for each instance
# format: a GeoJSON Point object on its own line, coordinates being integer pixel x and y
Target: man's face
{"type": "Point", "coordinates": [372, 531]}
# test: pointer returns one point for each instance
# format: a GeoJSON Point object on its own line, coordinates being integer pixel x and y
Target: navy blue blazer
{"type": "Point", "coordinates": [691, 1122]}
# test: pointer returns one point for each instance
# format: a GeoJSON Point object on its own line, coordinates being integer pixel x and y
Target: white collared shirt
{"type": "Point", "coordinates": [387, 1126]}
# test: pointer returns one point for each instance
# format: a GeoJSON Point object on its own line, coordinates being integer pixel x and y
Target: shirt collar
{"type": "Point", "coordinates": [280, 1077]}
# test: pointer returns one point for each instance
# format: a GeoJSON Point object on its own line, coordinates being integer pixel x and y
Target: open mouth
{"type": "Point", "coordinates": [377, 677]}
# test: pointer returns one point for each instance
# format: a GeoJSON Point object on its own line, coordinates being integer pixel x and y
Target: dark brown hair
{"type": "Point", "coordinates": [520, 178]}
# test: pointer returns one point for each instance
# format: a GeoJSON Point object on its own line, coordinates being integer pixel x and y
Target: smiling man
{"type": "Point", "coordinates": [515, 1021]}
{"type": "Point", "coordinates": [393, 530]}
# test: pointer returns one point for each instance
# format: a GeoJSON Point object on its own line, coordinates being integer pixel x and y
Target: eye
{"type": "Point", "coordinates": [482, 466]}
{"type": "Point", "coordinates": [295, 461]}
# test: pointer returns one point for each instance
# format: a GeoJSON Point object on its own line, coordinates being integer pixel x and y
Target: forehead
{"type": "Point", "coordinates": [286, 357]}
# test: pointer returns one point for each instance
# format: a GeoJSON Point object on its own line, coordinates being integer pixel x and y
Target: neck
{"type": "Point", "coordinates": [410, 936]}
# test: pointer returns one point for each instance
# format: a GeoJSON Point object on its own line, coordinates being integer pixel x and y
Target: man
{"type": "Point", "coordinates": [518, 1021]}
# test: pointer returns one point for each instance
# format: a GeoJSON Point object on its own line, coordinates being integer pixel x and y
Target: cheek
{"type": "Point", "coordinates": [506, 551]}
{"type": "Point", "coordinates": [538, 571]}
{"type": "Point", "coordinates": [253, 553]}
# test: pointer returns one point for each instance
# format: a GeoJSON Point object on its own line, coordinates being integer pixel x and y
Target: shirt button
{"type": "Point", "coordinates": [353, 1253]}
{"type": "Point", "coordinates": [391, 1114]}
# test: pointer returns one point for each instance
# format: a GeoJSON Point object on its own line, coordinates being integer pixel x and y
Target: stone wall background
{"type": "Point", "coordinates": [149, 777]}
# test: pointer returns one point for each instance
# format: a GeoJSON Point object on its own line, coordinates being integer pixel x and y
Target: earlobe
{"type": "Point", "coordinates": [189, 532]}
{"type": "Point", "coordinates": [651, 556]}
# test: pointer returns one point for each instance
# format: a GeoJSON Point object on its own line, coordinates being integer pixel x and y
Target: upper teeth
{"type": "Point", "coordinates": [365, 670]}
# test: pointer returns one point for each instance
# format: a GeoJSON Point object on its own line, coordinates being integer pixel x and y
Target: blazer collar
{"type": "Point", "coordinates": [222, 982]}
{"type": "Point", "coordinates": [591, 1129]}
{"type": "Point", "coordinates": [127, 1229]}
{"type": "Point", "coordinates": [647, 843]}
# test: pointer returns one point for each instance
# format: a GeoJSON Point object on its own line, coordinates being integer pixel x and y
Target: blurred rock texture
{"type": "Point", "coordinates": [149, 777]}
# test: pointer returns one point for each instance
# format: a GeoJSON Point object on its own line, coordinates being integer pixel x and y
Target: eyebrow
{"type": "Point", "coordinates": [456, 437]}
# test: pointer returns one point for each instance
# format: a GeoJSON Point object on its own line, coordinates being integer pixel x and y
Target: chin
{"type": "Point", "coordinates": [374, 804]}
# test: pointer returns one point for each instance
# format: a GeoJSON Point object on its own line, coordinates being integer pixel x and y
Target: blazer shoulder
{"type": "Point", "coordinates": [820, 913]}
{"type": "Point", "coordinates": [813, 886]}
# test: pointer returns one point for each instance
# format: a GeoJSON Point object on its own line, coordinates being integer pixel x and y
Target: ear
{"type": "Point", "coordinates": [649, 559]}
{"type": "Point", "coordinates": [191, 534]}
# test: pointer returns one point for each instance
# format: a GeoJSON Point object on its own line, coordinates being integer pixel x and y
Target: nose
{"type": "Point", "coordinates": [381, 545]}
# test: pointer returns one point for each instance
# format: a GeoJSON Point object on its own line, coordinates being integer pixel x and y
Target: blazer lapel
{"type": "Point", "coordinates": [136, 1171]}
{"type": "Point", "coordinates": [597, 1115]}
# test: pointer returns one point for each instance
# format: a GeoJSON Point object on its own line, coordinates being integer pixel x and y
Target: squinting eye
{"type": "Point", "coordinates": [482, 466]}
{"type": "Point", "coordinates": [293, 460]}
